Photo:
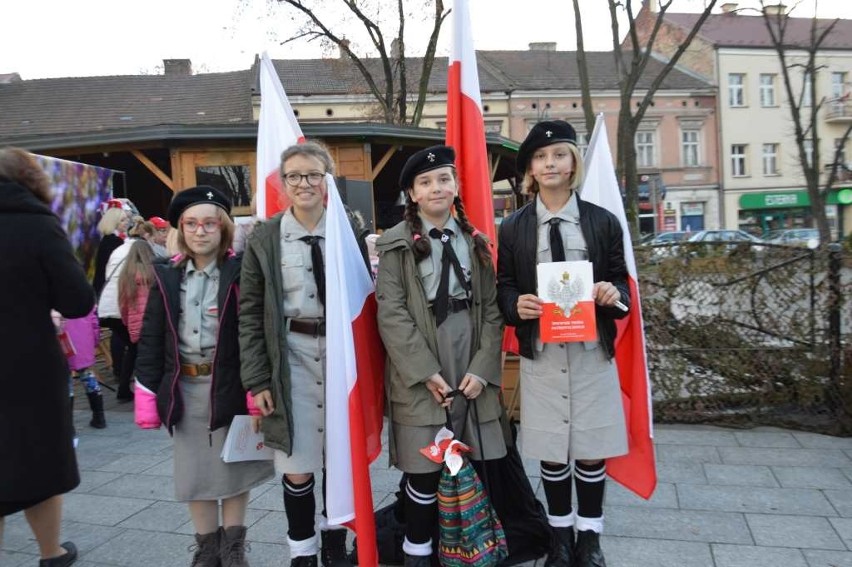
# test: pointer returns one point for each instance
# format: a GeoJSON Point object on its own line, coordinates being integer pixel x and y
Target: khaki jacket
{"type": "Point", "coordinates": [408, 330]}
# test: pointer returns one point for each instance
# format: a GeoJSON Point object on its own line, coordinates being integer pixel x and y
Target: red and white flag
{"type": "Point", "coordinates": [636, 470]}
{"type": "Point", "coordinates": [354, 381]}
{"type": "Point", "coordinates": [465, 126]}
{"type": "Point", "coordinates": [277, 129]}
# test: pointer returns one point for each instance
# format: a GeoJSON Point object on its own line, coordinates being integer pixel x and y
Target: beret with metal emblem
{"type": "Point", "coordinates": [426, 160]}
{"type": "Point", "coordinates": [543, 134]}
{"type": "Point", "coordinates": [196, 196]}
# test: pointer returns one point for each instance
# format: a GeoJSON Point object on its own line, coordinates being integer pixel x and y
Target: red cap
{"type": "Point", "coordinates": [114, 204]}
{"type": "Point", "coordinates": [158, 222]}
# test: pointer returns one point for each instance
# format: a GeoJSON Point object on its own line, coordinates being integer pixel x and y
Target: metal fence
{"type": "Point", "coordinates": [746, 334]}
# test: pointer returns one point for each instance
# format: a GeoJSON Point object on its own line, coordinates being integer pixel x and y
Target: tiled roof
{"type": "Point", "coordinates": [739, 30]}
{"type": "Point", "coordinates": [90, 104]}
{"type": "Point", "coordinates": [47, 107]}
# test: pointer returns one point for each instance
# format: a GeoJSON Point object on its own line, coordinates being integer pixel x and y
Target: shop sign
{"type": "Point", "coordinates": [692, 209]}
{"type": "Point", "coordinates": [774, 200]}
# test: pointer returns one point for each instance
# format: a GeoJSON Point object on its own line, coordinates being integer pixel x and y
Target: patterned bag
{"type": "Point", "coordinates": [471, 533]}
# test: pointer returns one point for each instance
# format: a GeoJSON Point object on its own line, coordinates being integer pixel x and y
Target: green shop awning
{"type": "Point", "coordinates": [791, 199]}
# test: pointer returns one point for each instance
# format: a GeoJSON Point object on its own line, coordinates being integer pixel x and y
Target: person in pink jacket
{"type": "Point", "coordinates": [84, 334]}
{"type": "Point", "coordinates": [135, 281]}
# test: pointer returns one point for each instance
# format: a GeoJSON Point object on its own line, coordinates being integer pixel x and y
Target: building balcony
{"type": "Point", "coordinates": [838, 111]}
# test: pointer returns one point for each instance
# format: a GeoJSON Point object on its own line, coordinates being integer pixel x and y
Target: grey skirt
{"type": "Point", "coordinates": [454, 353]}
{"type": "Point", "coordinates": [199, 471]}
{"type": "Point", "coordinates": [571, 405]}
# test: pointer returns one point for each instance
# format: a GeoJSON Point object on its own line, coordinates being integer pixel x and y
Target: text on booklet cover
{"type": "Point", "coordinates": [569, 310]}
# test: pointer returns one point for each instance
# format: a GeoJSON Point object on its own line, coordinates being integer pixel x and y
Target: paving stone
{"type": "Point", "coordinates": [139, 486]}
{"type": "Point", "coordinates": [88, 460]}
{"type": "Point", "coordinates": [681, 471]}
{"type": "Point", "coordinates": [739, 475]}
{"type": "Point", "coordinates": [269, 555]}
{"type": "Point", "coordinates": [841, 500]}
{"type": "Point", "coordinates": [100, 510]}
{"type": "Point", "coordinates": [146, 447]}
{"type": "Point", "coordinates": [269, 498]}
{"type": "Point", "coordinates": [793, 531]}
{"type": "Point", "coordinates": [159, 516]}
{"type": "Point", "coordinates": [754, 499]}
{"type": "Point", "coordinates": [130, 463]}
{"type": "Point", "coordinates": [90, 480]}
{"type": "Point", "coordinates": [818, 441]}
{"type": "Point", "coordinates": [811, 477]}
{"type": "Point", "coordinates": [164, 468]}
{"type": "Point", "coordinates": [688, 453]}
{"type": "Point", "coordinates": [84, 535]}
{"type": "Point", "coordinates": [272, 528]}
{"type": "Point", "coordinates": [632, 552]}
{"type": "Point", "coordinates": [742, 556]}
{"type": "Point", "coordinates": [692, 437]}
{"type": "Point", "coordinates": [681, 525]}
{"type": "Point", "coordinates": [843, 527]}
{"type": "Point", "coordinates": [784, 457]}
{"type": "Point", "coordinates": [17, 535]}
{"type": "Point", "coordinates": [16, 559]}
{"type": "Point", "coordinates": [774, 439]}
{"type": "Point", "coordinates": [818, 558]}
{"type": "Point", "coordinates": [664, 496]}
{"type": "Point", "coordinates": [139, 548]}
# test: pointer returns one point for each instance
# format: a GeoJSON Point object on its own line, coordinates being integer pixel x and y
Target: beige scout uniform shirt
{"type": "Point", "coordinates": [199, 318]}
{"type": "Point", "coordinates": [570, 395]}
{"type": "Point", "coordinates": [430, 268]}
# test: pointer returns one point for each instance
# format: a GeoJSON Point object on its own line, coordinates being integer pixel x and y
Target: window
{"type": "Point", "coordinates": [736, 89]}
{"type": "Point", "coordinates": [838, 82]}
{"type": "Point", "coordinates": [808, 146]}
{"type": "Point", "coordinates": [738, 160]}
{"type": "Point", "coordinates": [807, 90]}
{"type": "Point", "coordinates": [645, 149]}
{"type": "Point", "coordinates": [582, 142]}
{"type": "Point", "coordinates": [689, 147]}
{"type": "Point", "coordinates": [770, 159]}
{"type": "Point", "coordinates": [767, 90]}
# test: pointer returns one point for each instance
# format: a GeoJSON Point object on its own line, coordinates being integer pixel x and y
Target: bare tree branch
{"type": "Point", "coordinates": [582, 67]}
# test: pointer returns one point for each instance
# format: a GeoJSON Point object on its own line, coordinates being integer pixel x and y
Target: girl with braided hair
{"type": "Point", "coordinates": [439, 321]}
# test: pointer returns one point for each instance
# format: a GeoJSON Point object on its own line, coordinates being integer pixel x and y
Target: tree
{"type": "Point", "coordinates": [630, 65]}
{"type": "Point", "coordinates": [389, 83]}
{"type": "Point", "coordinates": [806, 107]}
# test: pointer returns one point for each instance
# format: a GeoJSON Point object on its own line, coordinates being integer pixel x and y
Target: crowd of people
{"type": "Point", "coordinates": [210, 334]}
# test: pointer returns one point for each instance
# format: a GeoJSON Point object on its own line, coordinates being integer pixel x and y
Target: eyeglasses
{"type": "Point", "coordinates": [209, 225]}
{"type": "Point", "coordinates": [294, 179]}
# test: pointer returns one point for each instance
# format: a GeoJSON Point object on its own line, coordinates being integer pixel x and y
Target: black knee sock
{"type": "Point", "coordinates": [556, 479]}
{"type": "Point", "coordinates": [300, 508]}
{"type": "Point", "coordinates": [590, 481]}
{"type": "Point", "coordinates": [421, 506]}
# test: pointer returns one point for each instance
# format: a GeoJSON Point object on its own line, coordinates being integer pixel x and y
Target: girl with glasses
{"type": "Point", "coordinates": [188, 374]}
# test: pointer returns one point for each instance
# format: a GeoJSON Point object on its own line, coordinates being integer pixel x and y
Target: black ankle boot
{"type": "Point", "coordinates": [561, 552]}
{"type": "Point", "coordinates": [589, 553]}
{"type": "Point", "coordinates": [96, 403]}
{"type": "Point", "coordinates": [333, 551]}
{"type": "Point", "coordinates": [68, 558]}
{"type": "Point", "coordinates": [304, 561]}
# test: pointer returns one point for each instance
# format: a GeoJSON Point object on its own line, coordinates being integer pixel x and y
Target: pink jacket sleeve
{"type": "Point", "coordinates": [134, 314]}
{"type": "Point", "coordinates": [145, 408]}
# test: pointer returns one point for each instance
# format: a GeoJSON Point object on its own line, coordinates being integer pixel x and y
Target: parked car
{"type": "Point", "coordinates": [793, 237]}
{"type": "Point", "coordinates": [732, 236]}
{"type": "Point", "coordinates": [666, 237]}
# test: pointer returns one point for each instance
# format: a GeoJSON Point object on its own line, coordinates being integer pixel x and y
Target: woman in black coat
{"type": "Point", "coordinates": [39, 273]}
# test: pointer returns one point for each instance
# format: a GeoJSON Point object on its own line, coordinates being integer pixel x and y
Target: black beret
{"type": "Point", "coordinates": [426, 160]}
{"type": "Point", "coordinates": [541, 135]}
{"type": "Point", "coordinates": [196, 196]}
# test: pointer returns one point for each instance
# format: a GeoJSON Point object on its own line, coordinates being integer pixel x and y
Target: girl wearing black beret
{"type": "Point", "coordinates": [439, 321]}
{"type": "Point", "coordinates": [188, 374]}
{"type": "Point", "coordinates": [570, 396]}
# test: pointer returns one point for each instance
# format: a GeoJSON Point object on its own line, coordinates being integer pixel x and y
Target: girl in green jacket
{"type": "Point", "coordinates": [439, 321]}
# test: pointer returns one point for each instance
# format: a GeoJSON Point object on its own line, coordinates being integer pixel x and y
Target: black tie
{"type": "Point", "coordinates": [448, 258]}
{"type": "Point", "coordinates": [317, 264]}
{"type": "Point", "coordinates": [557, 251]}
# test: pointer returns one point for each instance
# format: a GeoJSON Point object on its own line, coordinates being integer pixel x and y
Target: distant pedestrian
{"type": "Point", "coordinates": [39, 273]}
{"type": "Point", "coordinates": [84, 335]}
{"type": "Point", "coordinates": [571, 407]}
{"type": "Point", "coordinates": [188, 374]}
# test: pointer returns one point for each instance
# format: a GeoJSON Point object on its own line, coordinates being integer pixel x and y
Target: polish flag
{"type": "Point", "coordinates": [636, 470]}
{"type": "Point", "coordinates": [354, 381]}
{"type": "Point", "coordinates": [277, 129]}
{"type": "Point", "coordinates": [465, 127]}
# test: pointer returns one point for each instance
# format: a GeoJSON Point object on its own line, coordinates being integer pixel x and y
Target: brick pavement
{"type": "Point", "coordinates": [726, 498]}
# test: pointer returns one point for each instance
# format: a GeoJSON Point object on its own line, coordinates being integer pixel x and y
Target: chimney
{"type": "Point", "coordinates": [729, 8]}
{"type": "Point", "coordinates": [543, 46]}
{"type": "Point", "coordinates": [7, 78]}
{"type": "Point", "coordinates": [344, 45]}
{"type": "Point", "coordinates": [653, 6]}
{"type": "Point", "coordinates": [776, 10]}
{"type": "Point", "coordinates": [177, 67]}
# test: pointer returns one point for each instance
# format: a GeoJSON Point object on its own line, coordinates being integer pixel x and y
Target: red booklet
{"type": "Point", "coordinates": [569, 310]}
{"type": "Point", "coordinates": [66, 344]}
